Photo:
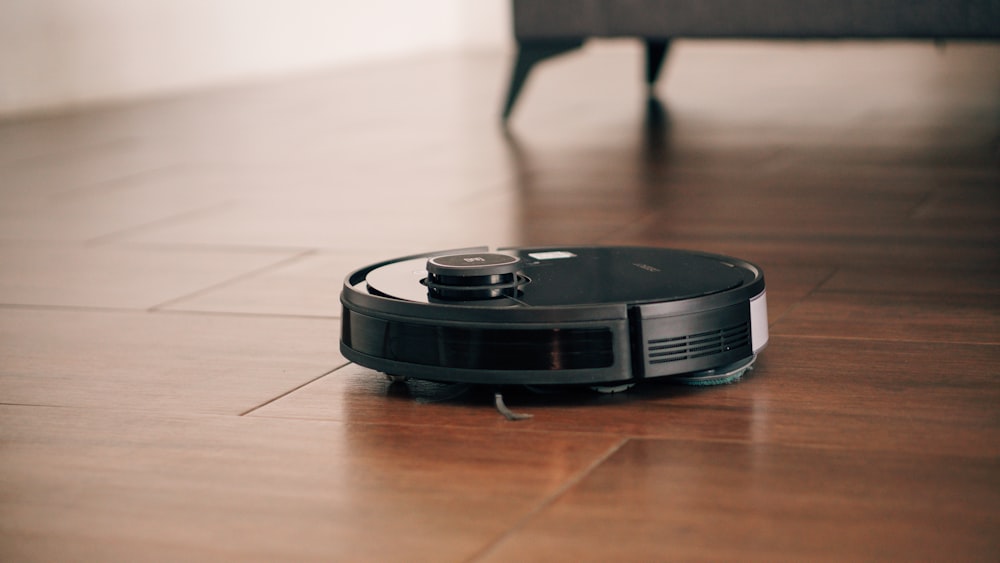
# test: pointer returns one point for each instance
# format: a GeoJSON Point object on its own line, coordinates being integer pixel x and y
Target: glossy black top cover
{"type": "Point", "coordinates": [578, 276]}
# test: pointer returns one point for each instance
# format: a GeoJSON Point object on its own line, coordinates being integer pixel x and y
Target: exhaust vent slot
{"type": "Point", "coordinates": [689, 342]}
{"type": "Point", "coordinates": [709, 343]}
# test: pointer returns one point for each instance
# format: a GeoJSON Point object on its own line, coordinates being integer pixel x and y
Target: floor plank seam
{"type": "Point", "coordinates": [292, 390]}
{"type": "Point", "coordinates": [127, 310]}
{"type": "Point", "coordinates": [942, 296]}
{"type": "Point", "coordinates": [634, 229]}
{"type": "Point", "coordinates": [37, 405]}
{"type": "Point", "coordinates": [214, 247]}
{"type": "Point", "coordinates": [921, 206]}
{"type": "Point", "coordinates": [73, 308]}
{"type": "Point", "coordinates": [99, 143]}
{"type": "Point", "coordinates": [246, 275]}
{"type": "Point", "coordinates": [165, 221]}
{"type": "Point", "coordinates": [812, 291]}
{"type": "Point", "coordinates": [892, 340]}
{"type": "Point", "coordinates": [548, 501]}
{"type": "Point", "coordinates": [114, 183]}
{"type": "Point", "coordinates": [179, 311]}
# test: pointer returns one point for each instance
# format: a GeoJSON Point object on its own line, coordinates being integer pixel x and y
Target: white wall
{"type": "Point", "coordinates": [57, 54]}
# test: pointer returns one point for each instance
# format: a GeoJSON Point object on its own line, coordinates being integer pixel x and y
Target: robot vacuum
{"type": "Point", "coordinates": [604, 317]}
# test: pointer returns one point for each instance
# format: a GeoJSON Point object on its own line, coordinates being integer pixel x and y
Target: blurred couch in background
{"type": "Point", "coordinates": [545, 28]}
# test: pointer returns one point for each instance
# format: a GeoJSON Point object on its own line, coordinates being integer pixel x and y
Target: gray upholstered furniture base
{"type": "Point", "coordinates": [545, 28]}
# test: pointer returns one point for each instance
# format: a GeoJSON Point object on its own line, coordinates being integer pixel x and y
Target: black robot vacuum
{"type": "Point", "coordinates": [605, 317]}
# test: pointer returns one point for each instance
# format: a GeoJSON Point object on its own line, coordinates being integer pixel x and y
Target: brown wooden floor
{"type": "Point", "coordinates": [170, 380]}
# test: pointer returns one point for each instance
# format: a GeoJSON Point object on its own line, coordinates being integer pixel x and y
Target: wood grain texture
{"type": "Point", "coordinates": [891, 316]}
{"type": "Point", "coordinates": [158, 362]}
{"type": "Point", "coordinates": [305, 286]}
{"type": "Point", "coordinates": [171, 387]}
{"type": "Point", "coordinates": [121, 277]}
{"type": "Point", "coordinates": [101, 485]}
{"type": "Point", "coordinates": [830, 393]}
{"type": "Point", "coordinates": [680, 500]}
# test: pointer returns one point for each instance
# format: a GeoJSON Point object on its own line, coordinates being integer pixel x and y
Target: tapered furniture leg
{"type": "Point", "coordinates": [656, 52]}
{"type": "Point", "coordinates": [530, 52]}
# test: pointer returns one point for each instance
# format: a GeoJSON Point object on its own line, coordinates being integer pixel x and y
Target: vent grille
{"type": "Point", "coordinates": [679, 348]}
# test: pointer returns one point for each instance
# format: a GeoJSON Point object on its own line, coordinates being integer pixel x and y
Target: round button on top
{"type": "Point", "coordinates": [479, 275]}
{"type": "Point", "coordinates": [476, 264]}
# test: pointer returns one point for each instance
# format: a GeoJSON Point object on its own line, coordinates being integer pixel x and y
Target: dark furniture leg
{"type": "Point", "coordinates": [528, 54]}
{"type": "Point", "coordinates": [656, 51]}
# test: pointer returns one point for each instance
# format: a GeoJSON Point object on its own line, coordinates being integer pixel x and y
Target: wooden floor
{"type": "Point", "coordinates": [170, 379]}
